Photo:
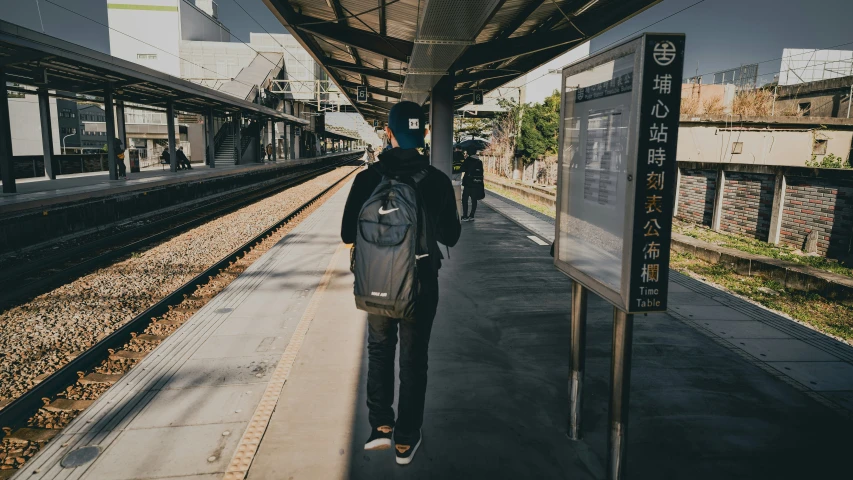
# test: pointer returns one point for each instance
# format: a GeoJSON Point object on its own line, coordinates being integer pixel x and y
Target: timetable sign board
{"type": "Point", "coordinates": [617, 170]}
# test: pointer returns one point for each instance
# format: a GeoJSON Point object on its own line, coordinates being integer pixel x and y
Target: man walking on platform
{"type": "Point", "coordinates": [400, 196]}
{"type": "Point", "coordinates": [472, 185]}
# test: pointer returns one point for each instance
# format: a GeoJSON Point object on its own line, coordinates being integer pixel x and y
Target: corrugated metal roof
{"type": "Point", "coordinates": [437, 31]}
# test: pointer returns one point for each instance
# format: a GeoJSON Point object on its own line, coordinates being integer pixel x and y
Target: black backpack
{"type": "Point", "coordinates": [392, 235]}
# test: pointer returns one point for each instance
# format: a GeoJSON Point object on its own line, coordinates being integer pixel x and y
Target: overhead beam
{"type": "Point", "coordinates": [372, 89]}
{"type": "Point", "coordinates": [369, 71]}
{"type": "Point", "coordinates": [289, 17]}
{"type": "Point", "coordinates": [496, 50]}
{"type": "Point", "coordinates": [23, 57]}
{"type": "Point", "coordinates": [600, 21]}
{"type": "Point", "coordinates": [519, 19]}
{"type": "Point", "coordinates": [381, 45]}
{"type": "Point", "coordinates": [339, 15]}
{"type": "Point", "coordinates": [379, 104]}
{"type": "Point", "coordinates": [485, 75]}
{"type": "Point", "coordinates": [383, 22]}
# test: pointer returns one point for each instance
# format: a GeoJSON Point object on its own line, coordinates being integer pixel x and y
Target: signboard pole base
{"type": "Point", "coordinates": [620, 386]}
{"type": "Point", "coordinates": [578, 359]}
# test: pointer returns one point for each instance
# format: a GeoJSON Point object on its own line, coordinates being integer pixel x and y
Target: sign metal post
{"type": "Point", "coordinates": [578, 359]}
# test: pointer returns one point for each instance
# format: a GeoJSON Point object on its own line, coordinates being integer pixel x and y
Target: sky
{"type": "Point", "coordinates": [721, 34]}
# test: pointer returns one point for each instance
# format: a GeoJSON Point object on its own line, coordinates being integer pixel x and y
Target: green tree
{"type": "Point", "coordinates": [540, 128]}
{"type": "Point", "coordinates": [471, 127]}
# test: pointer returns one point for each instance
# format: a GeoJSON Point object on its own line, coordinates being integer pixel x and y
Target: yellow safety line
{"type": "Point", "coordinates": [248, 446]}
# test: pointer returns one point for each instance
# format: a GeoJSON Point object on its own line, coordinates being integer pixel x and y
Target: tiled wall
{"type": "Point", "coordinates": [747, 204]}
{"type": "Point", "coordinates": [822, 205]}
{"type": "Point", "coordinates": [696, 196]}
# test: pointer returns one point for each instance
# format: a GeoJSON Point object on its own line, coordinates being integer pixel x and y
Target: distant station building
{"type": "Point", "coordinates": [162, 25]}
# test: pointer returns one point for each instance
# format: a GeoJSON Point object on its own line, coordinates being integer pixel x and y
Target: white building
{"type": "Point", "coordinates": [810, 65]}
{"type": "Point", "coordinates": [150, 32]}
{"type": "Point", "coordinates": [26, 125]}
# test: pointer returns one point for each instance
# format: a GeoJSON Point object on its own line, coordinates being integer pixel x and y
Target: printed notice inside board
{"type": "Point", "coordinates": [604, 141]}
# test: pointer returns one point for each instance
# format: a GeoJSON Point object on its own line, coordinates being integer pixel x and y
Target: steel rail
{"type": "Point", "coordinates": [14, 291]}
{"type": "Point", "coordinates": [16, 413]}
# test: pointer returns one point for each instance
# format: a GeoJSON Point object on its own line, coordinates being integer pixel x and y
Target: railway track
{"type": "Point", "coordinates": [20, 411]}
{"type": "Point", "coordinates": [31, 278]}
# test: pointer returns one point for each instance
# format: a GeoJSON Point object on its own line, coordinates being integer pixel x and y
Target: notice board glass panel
{"type": "Point", "coordinates": [598, 106]}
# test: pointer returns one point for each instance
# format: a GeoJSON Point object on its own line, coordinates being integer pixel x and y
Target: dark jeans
{"type": "Point", "coordinates": [381, 349]}
{"type": "Point", "coordinates": [465, 196]}
{"type": "Point", "coordinates": [122, 169]}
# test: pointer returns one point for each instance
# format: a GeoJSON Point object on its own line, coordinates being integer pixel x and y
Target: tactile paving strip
{"type": "Point", "coordinates": [251, 440]}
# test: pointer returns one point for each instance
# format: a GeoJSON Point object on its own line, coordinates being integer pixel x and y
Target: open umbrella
{"type": "Point", "coordinates": [473, 145]}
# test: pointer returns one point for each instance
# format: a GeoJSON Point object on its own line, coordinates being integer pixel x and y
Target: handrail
{"type": "Point", "coordinates": [221, 135]}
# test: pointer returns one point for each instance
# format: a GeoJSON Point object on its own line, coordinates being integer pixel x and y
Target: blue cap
{"type": "Point", "coordinates": [408, 123]}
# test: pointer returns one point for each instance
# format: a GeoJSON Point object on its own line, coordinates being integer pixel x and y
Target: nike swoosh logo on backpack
{"type": "Point", "coordinates": [386, 212]}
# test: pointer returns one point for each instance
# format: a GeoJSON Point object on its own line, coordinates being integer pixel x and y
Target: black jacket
{"type": "Point", "coordinates": [436, 190]}
{"type": "Point", "coordinates": [182, 158]}
{"type": "Point", "coordinates": [471, 166]}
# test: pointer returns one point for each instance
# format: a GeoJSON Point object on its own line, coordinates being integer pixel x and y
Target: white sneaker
{"type": "Point", "coordinates": [405, 453]}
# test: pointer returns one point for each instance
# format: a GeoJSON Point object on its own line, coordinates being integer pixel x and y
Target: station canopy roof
{"type": "Point", "coordinates": [34, 59]}
{"type": "Point", "coordinates": [400, 49]}
{"type": "Point", "coordinates": [338, 136]}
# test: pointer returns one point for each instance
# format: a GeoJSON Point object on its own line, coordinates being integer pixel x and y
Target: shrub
{"type": "Point", "coordinates": [828, 161]}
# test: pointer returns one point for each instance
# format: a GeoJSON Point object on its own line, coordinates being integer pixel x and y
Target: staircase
{"type": "Point", "coordinates": [225, 153]}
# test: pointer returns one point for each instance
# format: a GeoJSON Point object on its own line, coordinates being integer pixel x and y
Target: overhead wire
{"type": "Point", "coordinates": [137, 39]}
{"type": "Point", "coordinates": [784, 57]}
{"type": "Point", "coordinates": [41, 21]}
{"type": "Point", "coordinates": [240, 40]}
{"type": "Point", "coordinates": [625, 37]}
{"type": "Point", "coordinates": [274, 39]}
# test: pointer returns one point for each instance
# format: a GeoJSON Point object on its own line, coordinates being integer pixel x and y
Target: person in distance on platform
{"type": "Point", "coordinates": [165, 158]}
{"type": "Point", "coordinates": [436, 205]}
{"type": "Point", "coordinates": [118, 146]}
{"type": "Point", "coordinates": [183, 161]}
{"type": "Point", "coordinates": [371, 155]}
{"type": "Point", "coordinates": [472, 185]}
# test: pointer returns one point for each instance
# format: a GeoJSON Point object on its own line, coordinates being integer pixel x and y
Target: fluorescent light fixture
{"type": "Point", "coordinates": [585, 7]}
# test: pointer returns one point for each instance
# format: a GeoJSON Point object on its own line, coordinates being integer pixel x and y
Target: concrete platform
{"type": "Point", "coordinates": [42, 191]}
{"type": "Point", "coordinates": [268, 380]}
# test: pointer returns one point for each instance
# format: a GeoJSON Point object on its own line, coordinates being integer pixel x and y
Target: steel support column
{"type": "Point", "coordinates": [7, 170]}
{"type": "Point", "coordinates": [620, 387]}
{"type": "Point", "coordinates": [170, 130]}
{"type": "Point", "coordinates": [441, 124]}
{"type": "Point", "coordinates": [110, 117]}
{"type": "Point", "coordinates": [211, 140]}
{"type": "Point", "coordinates": [120, 122]}
{"type": "Point", "coordinates": [238, 140]}
{"type": "Point", "coordinates": [294, 152]}
{"type": "Point", "coordinates": [578, 360]}
{"type": "Point", "coordinates": [46, 132]}
{"type": "Point", "coordinates": [273, 140]}
{"type": "Point", "coordinates": [285, 142]}
{"type": "Point", "coordinates": [122, 132]}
